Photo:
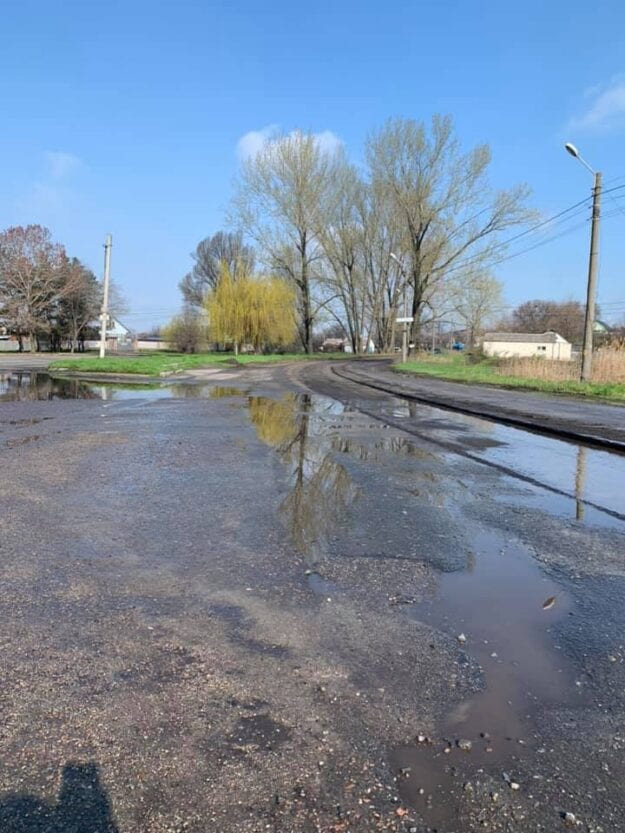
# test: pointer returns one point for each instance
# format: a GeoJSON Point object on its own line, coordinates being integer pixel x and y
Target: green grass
{"type": "Point", "coordinates": [165, 364]}
{"type": "Point", "coordinates": [456, 368]}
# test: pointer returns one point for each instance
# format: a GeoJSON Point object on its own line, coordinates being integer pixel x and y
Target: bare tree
{"type": "Point", "coordinates": [538, 316]}
{"type": "Point", "coordinates": [187, 332]}
{"type": "Point", "coordinates": [342, 237]}
{"type": "Point", "coordinates": [447, 214]}
{"type": "Point", "coordinates": [475, 297]}
{"type": "Point", "coordinates": [33, 272]}
{"type": "Point", "coordinates": [210, 255]}
{"type": "Point", "coordinates": [278, 202]}
{"type": "Point", "coordinates": [80, 303]}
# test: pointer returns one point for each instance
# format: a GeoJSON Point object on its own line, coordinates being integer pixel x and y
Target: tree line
{"type": "Point", "coordinates": [415, 228]}
{"type": "Point", "coordinates": [45, 294]}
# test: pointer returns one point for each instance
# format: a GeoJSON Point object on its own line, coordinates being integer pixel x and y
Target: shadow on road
{"type": "Point", "coordinates": [82, 806]}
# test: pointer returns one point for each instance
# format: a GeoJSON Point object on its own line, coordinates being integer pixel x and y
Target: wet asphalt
{"type": "Point", "coordinates": [273, 599]}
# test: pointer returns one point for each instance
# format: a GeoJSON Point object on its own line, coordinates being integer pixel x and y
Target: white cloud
{"type": "Point", "coordinates": [60, 164]}
{"type": "Point", "coordinates": [254, 141]}
{"type": "Point", "coordinates": [52, 197]}
{"type": "Point", "coordinates": [605, 110]}
{"type": "Point", "coordinates": [329, 141]}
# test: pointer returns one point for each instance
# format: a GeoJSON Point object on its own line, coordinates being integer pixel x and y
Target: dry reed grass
{"type": "Point", "coordinates": [608, 366]}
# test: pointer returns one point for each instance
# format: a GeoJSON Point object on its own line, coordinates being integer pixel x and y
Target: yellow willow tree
{"type": "Point", "coordinates": [258, 311]}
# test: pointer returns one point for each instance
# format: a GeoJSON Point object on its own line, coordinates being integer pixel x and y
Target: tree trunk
{"type": "Point", "coordinates": [308, 321]}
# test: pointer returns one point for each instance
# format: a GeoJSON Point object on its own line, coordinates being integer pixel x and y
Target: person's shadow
{"type": "Point", "coordinates": [82, 806]}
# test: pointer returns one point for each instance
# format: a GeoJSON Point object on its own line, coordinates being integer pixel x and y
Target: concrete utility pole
{"type": "Point", "coordinates": [108, 243]}
{"type": "Point", "coordinates": [406, 319]}
{"type": "Point", "coordinates": [593, 267]}
{"type": "Point", "coordinates": [591, 294]}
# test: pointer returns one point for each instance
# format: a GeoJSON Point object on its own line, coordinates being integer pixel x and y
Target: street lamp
{"type": "Point", "coordinates": [593, 261]}
{"type": "Point", "coordinates": [406, 319]}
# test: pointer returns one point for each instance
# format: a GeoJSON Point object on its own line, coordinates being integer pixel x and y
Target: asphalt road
{"type": "Point", "coordinates": [580, 418]}
{"type": "Point", "coordinates": [278, 600]}
{"type": "Point", "coordinates": [26, 361]}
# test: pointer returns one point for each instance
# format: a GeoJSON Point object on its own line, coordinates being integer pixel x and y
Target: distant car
{"type": "Point", "coordinates": [457, 345]}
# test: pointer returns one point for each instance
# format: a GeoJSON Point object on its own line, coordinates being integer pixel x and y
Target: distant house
{"type": "Point", "coordinates": [549, 345]}
{"type": "Point", "coordinates": [336, 345]}
{"type": "Point", "coordinates": [151, 343]}
{"type": "Point", "coordinates": [118, 336]}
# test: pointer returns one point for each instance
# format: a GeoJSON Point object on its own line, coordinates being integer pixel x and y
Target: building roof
{"type": "Point", "coordinates": [526, 338]}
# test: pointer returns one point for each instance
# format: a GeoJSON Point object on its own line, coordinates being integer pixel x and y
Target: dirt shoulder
{"type": "Point", "coordinates": [568, 417]}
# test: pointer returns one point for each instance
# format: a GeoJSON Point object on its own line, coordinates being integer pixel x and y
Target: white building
{"type": "Point", "coordinates": [118, 336]}
{"type": "Point", "coordinates": [549, 345]}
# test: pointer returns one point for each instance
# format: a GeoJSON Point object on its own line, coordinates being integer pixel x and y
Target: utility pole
{"type": "Point", "coordinates": [591, 293]}
{"type": "Point", "coordinates": [108, 243]}
{"type": "Point", "coordinates": [593, 266]}
{"type": "Point", "coordinates": [406, 319]}
{"type": "Point", "coordinates": [404, 332]}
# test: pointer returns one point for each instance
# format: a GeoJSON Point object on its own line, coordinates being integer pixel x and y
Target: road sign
{"type": "Point", "coordinates": [408, 320]}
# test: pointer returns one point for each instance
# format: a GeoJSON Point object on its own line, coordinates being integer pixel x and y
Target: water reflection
{"type": "Point", "coordinates": [580, 482]}
{"type": "Point", "coordinates": [321, 490]}
{"type": "Point", "coordinates": [29, 386]}
{"type": "Point", "coordinates": [380, 448]}
{"type": "Point", "coordinates": [575, 481]}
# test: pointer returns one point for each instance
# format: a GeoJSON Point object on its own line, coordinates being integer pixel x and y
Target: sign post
{"type": "Point", "coordinates": [404, 336]}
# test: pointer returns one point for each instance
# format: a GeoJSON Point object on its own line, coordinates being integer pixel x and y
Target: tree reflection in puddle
{"type": "Point", "coordinates": [321, 491]}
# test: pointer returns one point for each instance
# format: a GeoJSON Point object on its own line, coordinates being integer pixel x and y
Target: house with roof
{"type": "Point", "coordinates": [549, 345]}
{"type": "Point", "coordinates": [118, 336]}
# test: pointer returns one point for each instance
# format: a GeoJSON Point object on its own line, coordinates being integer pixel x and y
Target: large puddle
{"type": "Point", "coordinates": [31, 386]}
{"type": "Point", "coordinates": [497, 603]}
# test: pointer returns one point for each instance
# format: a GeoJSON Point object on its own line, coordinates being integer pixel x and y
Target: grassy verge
{"type": "Point", "coordinates": [457, 369]}
{"type": "Point", "coordinates": [164, 364]}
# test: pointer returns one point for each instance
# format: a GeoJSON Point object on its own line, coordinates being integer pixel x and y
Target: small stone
{"type": "Point", "coordinates": [465, 745]}
{"type": "Point", "coordinates": [514, 785]}
{"type": "Point", "coordinates": [612, 658]}
{"type": "Point", "coordinates": [570, 819]}
{"type": "Point", "coordinates": [462, 638]}
{"type": "Point", "coordinates": [468, 787]}
{"type": "Point", "coordinates": [421, 738]}
{"type": "Point", "coordinates": [494, 797]}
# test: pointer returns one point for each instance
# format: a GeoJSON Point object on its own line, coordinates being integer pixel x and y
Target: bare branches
{"type": "Point", "coordinates": [33, 279]}
{"type": "Point", "coordinates": [447, 213]}
{"type": "Point", "coordinates": [210, 255]}
{"type": "Point", "coordinates": [278, 203]}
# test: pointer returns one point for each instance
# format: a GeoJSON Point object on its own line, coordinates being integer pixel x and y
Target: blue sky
{"type": "Point", "coordinates": [126, 116]}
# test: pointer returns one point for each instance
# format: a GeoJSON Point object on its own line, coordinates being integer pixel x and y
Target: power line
{"type": "Point", "coordinates": [541, 243]}
{"type": "Point", "coordinates": [557, 217]}
{"type": "Point", "coordinates": [581, 206]}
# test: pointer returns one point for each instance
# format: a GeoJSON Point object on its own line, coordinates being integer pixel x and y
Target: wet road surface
{"type": "Point", "coordinates": [279, 601]}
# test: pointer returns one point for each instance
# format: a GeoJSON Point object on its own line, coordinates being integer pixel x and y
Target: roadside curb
{"type": "Point", "coordinates": [535, 425]}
